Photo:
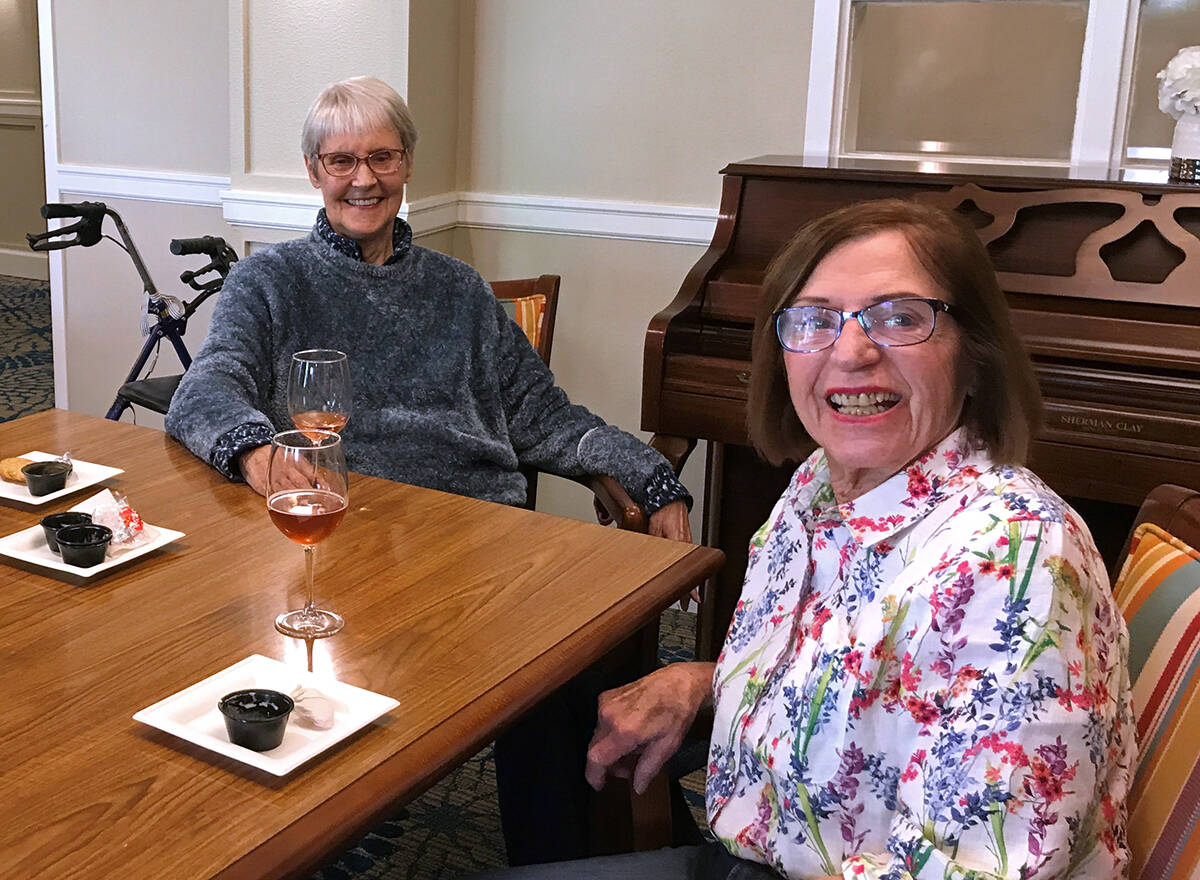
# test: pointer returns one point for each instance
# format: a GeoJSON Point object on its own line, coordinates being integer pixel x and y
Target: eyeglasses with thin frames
{"type": "Point", "coordinates": [891, 323]}
{"type": "Point", "coordinates": [379, 161]}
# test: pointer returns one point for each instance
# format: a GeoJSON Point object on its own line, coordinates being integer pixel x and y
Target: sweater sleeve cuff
{"type": "Point", "coordinates": [233, 443]}
{"type": "Point", "coordinates": [664, 488]}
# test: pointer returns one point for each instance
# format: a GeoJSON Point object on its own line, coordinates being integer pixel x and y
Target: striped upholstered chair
{"type": "Point", "coordinates": [1158, 591]}
{"type": "Point", "coordinates": [533, 304]}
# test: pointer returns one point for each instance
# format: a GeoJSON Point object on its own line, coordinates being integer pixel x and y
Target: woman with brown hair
{"type": "Point", "coordinates": [926, 674]}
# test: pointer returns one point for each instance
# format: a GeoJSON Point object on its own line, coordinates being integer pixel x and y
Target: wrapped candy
{"type": "Point", "coordinates": [313, 708]}
{"type": "Point", "coordinates": [113, 510]}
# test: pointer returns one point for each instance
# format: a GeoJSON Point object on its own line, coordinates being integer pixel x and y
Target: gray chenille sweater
{"type": "Point", "coordinates": [448, 392]}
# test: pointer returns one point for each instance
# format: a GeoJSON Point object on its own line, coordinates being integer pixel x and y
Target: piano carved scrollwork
{"type": "Point", "coordinates": [1111, 261]}
{"type": "Point", "coordinates": [1103, 281]}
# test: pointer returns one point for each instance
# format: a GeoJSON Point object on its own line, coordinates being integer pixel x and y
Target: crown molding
{"type": "Point", "coordinates": [269, 210]}
{"type": "Point", "coordinates": [173, 187]}
{"type": "Point", "coordinates": [636, 221]}
{"type": "Point", "coordinates": [30, 108]}
{"type": "Point", "coordinates": [432, 213]}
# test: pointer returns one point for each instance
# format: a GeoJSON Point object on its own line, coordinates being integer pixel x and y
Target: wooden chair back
{"type": "Point", "coordinates": [540, 333]}
{"type": "Point", "coordinates": [522, 288]}
{"type": "Point", "coordinates": [613, 504]}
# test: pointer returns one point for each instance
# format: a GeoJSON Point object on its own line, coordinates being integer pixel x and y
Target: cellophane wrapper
{"type": "Point", "coordinates": [113, 510]}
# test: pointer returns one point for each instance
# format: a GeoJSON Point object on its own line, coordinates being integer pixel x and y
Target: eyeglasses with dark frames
{"type": "Point", "coordinates": [379, 161]}
{"type": "Point", "coordinates": [892, 323]}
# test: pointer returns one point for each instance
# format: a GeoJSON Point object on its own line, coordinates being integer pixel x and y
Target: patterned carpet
{"type": "Point", "coordinates": [454, 828]}
{"type": "Point", "coordinates": [26, 356]}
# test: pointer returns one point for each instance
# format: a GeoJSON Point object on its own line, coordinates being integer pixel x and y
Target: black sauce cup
{"type": "Point", "coordinates": [83, 546]}
{"type": "Point", "coordinates": [256, 718]}
{"type": "Point", "coordinates": [55, 521]}
{"type": "Point", "coordinates": [44, 477]}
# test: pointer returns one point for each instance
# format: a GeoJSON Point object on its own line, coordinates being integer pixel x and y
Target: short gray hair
{"type": "Point", "coordinates": [357, 104]}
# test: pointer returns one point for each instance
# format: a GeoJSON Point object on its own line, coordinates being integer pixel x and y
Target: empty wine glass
{"type": "Point", "coordinates": [307, 495]}
{"type": "Point", "coordinates": [319, 389]}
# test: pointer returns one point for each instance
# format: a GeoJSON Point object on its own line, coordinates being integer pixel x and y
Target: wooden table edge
{"type": "Point", "coordinates": [302, 847]}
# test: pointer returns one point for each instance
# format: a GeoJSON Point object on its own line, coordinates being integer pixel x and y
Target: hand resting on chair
{"type": "Point", "coordinates": [671, 522]}
{"type": "Point", "coordinates": [641, 724]}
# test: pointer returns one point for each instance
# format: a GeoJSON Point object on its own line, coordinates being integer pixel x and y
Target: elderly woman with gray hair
{"type": "Point", "coordinates": [448, 393]}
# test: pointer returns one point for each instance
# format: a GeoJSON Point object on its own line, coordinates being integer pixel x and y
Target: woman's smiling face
{"type": "Point", "coordinates": [912, 395]}
{"type": "Point", "coordinates": [363, 205]}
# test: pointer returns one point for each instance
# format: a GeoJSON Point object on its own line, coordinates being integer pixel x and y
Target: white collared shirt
{"type": "Point", "coordinates": [928, 680]}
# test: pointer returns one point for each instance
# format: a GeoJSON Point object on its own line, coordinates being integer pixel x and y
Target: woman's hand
{"type": "Point", "coordinates": [671, 522]}
{"type": "Point", "coordinates": [253, 465]}
{"type": "Point", "coordinates": [642, 724]}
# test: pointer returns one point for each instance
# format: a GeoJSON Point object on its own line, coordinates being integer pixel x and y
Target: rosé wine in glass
{"type": "Point", "coordinates": [306, 516]}
{"type": "Point", "coordinates": [307, 496]}
{"type": "Point", "coordinates": [319, 390]}
{"type": "Point", "coordinates": [314, 420]}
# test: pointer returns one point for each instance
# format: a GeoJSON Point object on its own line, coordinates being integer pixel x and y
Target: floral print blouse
{"type": "Point", "coordinates": [928, 681]}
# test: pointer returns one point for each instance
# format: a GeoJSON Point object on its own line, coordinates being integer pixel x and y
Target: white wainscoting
{"type": "Point", "coordinates": [268, 210]}
{"type": "Point", "coordinates": [21, 105]}
{"type": "Point", "coordinates": [141, 184]}
{"type": "Point", "coordinates": [639, 221]}
{"type": "Point", "coordinates": [24, 264]}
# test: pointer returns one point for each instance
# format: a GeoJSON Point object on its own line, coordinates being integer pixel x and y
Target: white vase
{"type": "Point", "coordinates": [1185, 149]}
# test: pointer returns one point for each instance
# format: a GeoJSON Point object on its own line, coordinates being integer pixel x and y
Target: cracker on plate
{"type": "Point", "coordinates": [10, 469]}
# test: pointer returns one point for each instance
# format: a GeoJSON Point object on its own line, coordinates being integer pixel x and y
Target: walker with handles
{"type": "Point", "coordinates": [166, 316]}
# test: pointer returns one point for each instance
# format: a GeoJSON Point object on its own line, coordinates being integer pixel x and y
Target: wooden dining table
{"type": "Point", "coordinates": [465, 612]}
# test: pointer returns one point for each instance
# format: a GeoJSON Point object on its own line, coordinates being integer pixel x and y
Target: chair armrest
{"type": "Point", "coordinates": [613, 504]}
{"type": "Point", "coordinates": [674, 449]}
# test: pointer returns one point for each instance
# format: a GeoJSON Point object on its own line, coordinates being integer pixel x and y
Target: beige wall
{"type": "Point", "coordinates": [20, 139]}
{"type": "Point", "coordinates": [433, 93]}
{"type": "Point", "coordinates": [630, 100]}
{"type": "Point", "coordinates": [143, 84]}
{"type": "Point", "coordinates": [281, 54]}
{"type": "Point", "coordinates": [626, 101]}
{"type": "Point", "coordinates": [610, 290]}
{"type": "Point", "coordinates": [149, 94]}
{"type": "Point", "coordinates": [19, 49]}
{"type": "Point", "coordinates": [442, 241]}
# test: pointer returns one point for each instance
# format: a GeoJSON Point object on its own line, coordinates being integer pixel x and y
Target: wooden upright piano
{"type": "Point", "coordinates": [1103, 277]}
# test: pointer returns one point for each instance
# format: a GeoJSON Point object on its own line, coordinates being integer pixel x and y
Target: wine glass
{"type": "Point", "coordinates": [307, 495]}
{"type": "Point", "coordinates": [319, 389]}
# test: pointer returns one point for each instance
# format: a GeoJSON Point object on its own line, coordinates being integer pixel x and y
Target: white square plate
{"type": "Point", "coordinates": [29, 545]}
{"type": "Point", "coordinates": [192, 714]}
{"type": "Point", "coordinates": [83, 474]}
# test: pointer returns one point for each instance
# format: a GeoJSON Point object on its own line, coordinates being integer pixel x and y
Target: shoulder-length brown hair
{"type": "Point", "coordinates": [1003, 404]}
